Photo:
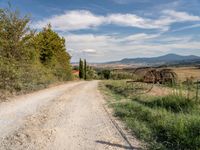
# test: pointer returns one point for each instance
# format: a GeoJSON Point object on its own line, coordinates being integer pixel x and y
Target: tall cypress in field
{"type": "Point", "coordinates": [81, 69]}
{"type": "Point", "coordinates": [85, 69]}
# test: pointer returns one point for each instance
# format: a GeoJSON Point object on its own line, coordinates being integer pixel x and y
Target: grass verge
{"type": "Point", "coordinates": [169, 122]}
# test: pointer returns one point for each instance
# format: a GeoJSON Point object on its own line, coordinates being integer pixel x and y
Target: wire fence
{"type": "Point", "coordinates": [193, 91]}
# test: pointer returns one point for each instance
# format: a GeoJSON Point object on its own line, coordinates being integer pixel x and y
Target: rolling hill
{"type": "Point", "coordinates": [165, 59]}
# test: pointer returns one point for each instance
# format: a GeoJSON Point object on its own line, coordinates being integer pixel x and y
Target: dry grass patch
{"type": "Point", "coordinates": [187, 72]}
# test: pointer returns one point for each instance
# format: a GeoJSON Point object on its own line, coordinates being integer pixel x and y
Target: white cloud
{"type": "Point", "coordinates": [83, 19]}
{"type": "Point", "coordinates": [169, 17]}
{"type": "Point", "coordinates": [85, 38]}
{"type": "Point", "coordinates": [89, 51]}
{"type": "Point", "coordinates": [140, 37]}
{"type": "Point", "coordinates": [72, 20]}
{"type": "Point", "coordinates": [131, 20]}
{"type": "Point", "coordinates": [180, 16]}
{"type": "Point", "coordinates": [187, 27]}
{"type": "Point", "coordinates": [129, 1]}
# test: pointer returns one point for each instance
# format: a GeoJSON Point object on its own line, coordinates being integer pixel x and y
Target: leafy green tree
{"type": "Point", "coordinates": [16, 49]}
{"type": "Point", "coordinates": [91, 73]}
{"type": "Point", "coordinates": [52, 53]}
{"type": "Point", "coordinates": [15, 35]}
{"type": "Point", "coordinates": [47, 42]}
{"type": "Point", "coordinates": [106, 74]}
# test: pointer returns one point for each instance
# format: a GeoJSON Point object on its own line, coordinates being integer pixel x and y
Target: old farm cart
{"type": "Point", "coordinates": [148, 77]}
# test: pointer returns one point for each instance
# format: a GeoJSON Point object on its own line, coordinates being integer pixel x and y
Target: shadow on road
{"type": "Point", "coordinates": [118, 145]}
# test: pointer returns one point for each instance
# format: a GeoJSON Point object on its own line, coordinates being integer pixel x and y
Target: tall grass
{"type": "Point", "coordinates": [169, 122]}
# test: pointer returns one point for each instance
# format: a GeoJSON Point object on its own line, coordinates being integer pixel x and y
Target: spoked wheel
{"type": "Point", "coordinates": [136, 88]}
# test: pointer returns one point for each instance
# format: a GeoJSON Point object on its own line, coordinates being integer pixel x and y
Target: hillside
{"type": "Point", "coordinates": [165, 59]}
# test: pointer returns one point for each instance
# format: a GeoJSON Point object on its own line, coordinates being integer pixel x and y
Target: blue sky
{"type": "Point", "coordinates": [105, 30]}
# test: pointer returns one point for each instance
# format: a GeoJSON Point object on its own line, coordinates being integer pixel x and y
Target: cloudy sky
{"type": "Point", "coordinates": [105, 30]}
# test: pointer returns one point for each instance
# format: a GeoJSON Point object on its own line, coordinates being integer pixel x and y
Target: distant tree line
{"type": "Point", "coordinates": [112, 74]}
{"type": "Point", "coordinates": [30, 59]}
{"type": "Point", "coordinates": [88, 72]}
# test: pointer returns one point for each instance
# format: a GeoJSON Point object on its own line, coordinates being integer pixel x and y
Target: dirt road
{"type": "Point", "coordinates": [65, 117]}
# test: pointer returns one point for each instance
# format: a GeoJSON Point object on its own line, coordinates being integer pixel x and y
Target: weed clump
{"type": "Point", "coordinates": [172, 103]}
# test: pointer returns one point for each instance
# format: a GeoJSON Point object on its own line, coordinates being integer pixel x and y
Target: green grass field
{"type": "Point", "coordinates": [163, 122]}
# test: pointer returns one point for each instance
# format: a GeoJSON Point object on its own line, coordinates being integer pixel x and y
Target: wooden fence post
{"type": "Point", "coordinates": [197, 91]}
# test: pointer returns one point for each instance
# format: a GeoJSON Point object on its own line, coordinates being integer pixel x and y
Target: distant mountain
{"type": "Point", "coordinates": [166, 59]}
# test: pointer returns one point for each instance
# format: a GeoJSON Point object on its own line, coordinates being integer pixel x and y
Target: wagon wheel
{"type": "Point", "coordinates": [136, 88]}
{"type": "Point", "coordinates": [174, 77]}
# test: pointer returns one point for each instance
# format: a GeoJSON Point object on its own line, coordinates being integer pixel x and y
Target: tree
{"type": "Point", "coordinates": [85, 69]}
{"type": "Point", "coordinates": [16, 49]}
{"type": "Point", "coordinates": [106, 74]}
{"type": "Point", "coordinates": [52, 53]}
{"type": "Point", "coordinates": [91, 73]}
{"type": "Point", "coordinates": [15, 36]}
{"type": "Point", "coordinates": [81, 69]}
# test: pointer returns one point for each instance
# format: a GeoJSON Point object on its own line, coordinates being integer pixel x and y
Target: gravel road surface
{"type": "Point", "coordinates": [65, 117]}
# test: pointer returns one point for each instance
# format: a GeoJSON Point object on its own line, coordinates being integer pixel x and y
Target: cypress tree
{"type": "Point", "coordinates": [81, 69]}
{"type": "Point", "coordinates": [85, 69]}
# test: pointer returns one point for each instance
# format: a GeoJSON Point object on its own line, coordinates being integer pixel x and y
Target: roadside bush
{"type": "Point", "coordinates": [9, 75]}
{"type": "Point", "coordinates": [17, 77]}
